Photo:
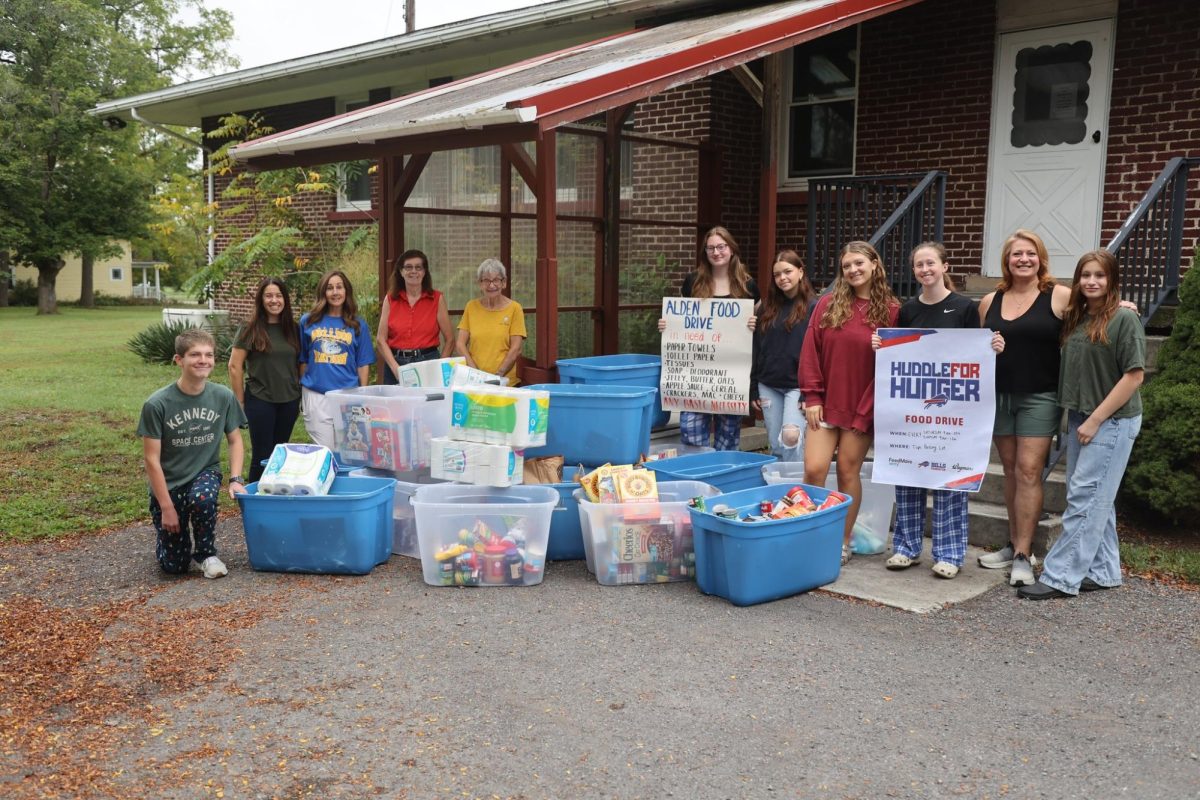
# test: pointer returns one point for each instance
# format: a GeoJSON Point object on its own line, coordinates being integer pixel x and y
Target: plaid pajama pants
{"type": "Point", "coordinates": [949, 524]}
{"type": "Point", "coordinates": [696, 429]}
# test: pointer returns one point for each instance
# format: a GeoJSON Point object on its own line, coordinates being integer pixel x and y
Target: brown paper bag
{"type": "Point", "coordinates": [546, 469]}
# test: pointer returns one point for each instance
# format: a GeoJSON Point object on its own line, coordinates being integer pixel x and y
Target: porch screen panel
{"type": "Point", "coordinates": [579, 159]}
{"type": "Point", "coordinates": [461, 180]}
{"type": "Point", "coordinates": [662, 184]}
{"type": "Point", "coordinates": [576, 244]}
{"type": "Point", "coordinates": [455, 245]}
{"type": "Point", "coordinates": [654, 261]}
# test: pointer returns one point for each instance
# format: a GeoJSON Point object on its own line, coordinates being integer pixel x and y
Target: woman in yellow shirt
{"type": "Point", "coordinates": [492, 328]}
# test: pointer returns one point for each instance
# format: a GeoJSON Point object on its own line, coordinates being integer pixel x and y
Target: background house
{"type": "Point", "coordinates": [1054, 117]}
{"type": "Point", "coordinates": [111, 276]}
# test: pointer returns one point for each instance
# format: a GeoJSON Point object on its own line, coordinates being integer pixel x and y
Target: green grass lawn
{"type": "Point", "coordinates": [70, 395]}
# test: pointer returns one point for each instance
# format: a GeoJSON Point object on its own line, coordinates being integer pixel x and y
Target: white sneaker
{"type": "Point", "coordinates": [213, 567]}
{"type": "Point", "coordinates": [1002, 558]}
{"type": "Point", "coordinates": [1021, 573]}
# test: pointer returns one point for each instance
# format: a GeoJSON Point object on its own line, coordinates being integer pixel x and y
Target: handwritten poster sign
{"type": "Point", "coordinates": [706, 355]}
{"type": "Point", "coordinates": [935, 402]}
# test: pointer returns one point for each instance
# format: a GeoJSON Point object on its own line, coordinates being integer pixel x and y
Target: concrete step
{"type": "Point", "coordinates": [1054, 489]}
{"type": "Point", "coordinates": [988, 527]}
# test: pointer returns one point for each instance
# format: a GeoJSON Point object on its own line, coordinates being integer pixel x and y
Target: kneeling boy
{"type": "Point", "coordinates": [181, 428]}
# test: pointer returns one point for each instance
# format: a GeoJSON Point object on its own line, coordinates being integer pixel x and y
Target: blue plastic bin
{"type": "Point", "coordinates": [345, 532]}
{"type": "Point", "coordinates": [728, 470]}
{"type": "Point", "coordinates": [632, 369]}
{"type": "Point", "coordinates": [755, 562]}
{"type": "Point", "coordinates": [593, 424]}
{"type": "Point", "coordinates": [566, 533]}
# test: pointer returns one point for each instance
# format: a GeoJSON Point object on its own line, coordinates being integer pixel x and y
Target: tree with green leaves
{"type": "Point", "coordinates": [69, 181]}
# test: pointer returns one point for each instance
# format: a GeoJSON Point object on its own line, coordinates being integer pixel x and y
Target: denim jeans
{"type": "Point", "coordinates": [270, 424]}
{"type": "Point", "coordinates": [1087, 547]}
{"type": "Point", "coordinates": [781, 408]}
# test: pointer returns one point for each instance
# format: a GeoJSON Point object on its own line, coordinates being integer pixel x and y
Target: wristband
{"type": "Point", "coordinates": [237, 479]}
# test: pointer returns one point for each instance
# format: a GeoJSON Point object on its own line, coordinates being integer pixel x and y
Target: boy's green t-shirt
{"type": "Point", "coordinates": [190, 428]}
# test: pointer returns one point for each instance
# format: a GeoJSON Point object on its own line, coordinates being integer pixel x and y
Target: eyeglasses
{"type": "Point", "coordinates": [716, 248]}
{"type": "Point", "coordinates": [412, 268]}
{"type": "Point", "coordinates": [492, 281]}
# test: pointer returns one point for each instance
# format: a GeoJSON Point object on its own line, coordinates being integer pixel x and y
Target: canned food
{"type": "Point", "coordinates": [765, 508]}
{"type": "Point", "coordinates": [697, 503]}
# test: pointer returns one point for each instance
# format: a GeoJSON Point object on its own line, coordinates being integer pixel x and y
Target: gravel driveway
{"type": "Point", "coordinates": [119, 682]}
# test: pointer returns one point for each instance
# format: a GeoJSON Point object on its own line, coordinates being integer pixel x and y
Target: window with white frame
{"type": "Point", "coordinates": [821, 95]}
{"type": "Point", "coordinates": [354, 179]}
{"type": "Point", "coordinates": [116, 274]}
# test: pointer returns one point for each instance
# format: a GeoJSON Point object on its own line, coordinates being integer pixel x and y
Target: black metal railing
{"type": "Point", "coordinates": [893, 212]}
{"type": "Point", "coordinates": [1149, 245]}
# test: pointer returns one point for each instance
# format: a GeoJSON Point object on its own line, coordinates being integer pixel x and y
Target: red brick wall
{"type": "Point", "coordinates": [1155, 110]}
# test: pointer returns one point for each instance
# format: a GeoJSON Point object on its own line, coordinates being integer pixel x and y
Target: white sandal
{"type": "Point", "coordinates": [944, 569]}
{"type": "Point", "coordinates": [846, 553]}
{"type": "Point", "coordinates": [898, 561]}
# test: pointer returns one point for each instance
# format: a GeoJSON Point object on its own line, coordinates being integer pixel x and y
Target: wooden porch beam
{"type": "Point", "coordinates": [610, 267]}
{"type": "Point", "coordinates": [546, 323]}
{"type": "Point", "coordinates": [749, 82]}
{"type": "Point", "coordinates": [522, 163]}
{"type": "Point", "coordinates": [768, 196]}
{"type": "Point", "coordinates": [406, 180]}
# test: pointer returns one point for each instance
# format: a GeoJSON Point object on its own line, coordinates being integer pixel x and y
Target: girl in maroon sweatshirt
{"type": "Point", "coordinates": [837, 373]}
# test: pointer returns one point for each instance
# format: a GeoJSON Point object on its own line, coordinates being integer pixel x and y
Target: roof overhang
{"type": "Point", "coordinates": [403, 62]}
{"type": "Point", "coordinates": [520, 100]}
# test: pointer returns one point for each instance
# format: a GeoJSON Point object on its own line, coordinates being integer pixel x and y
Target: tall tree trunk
{"type": "Point", "coordinates": [48, 270]}
{"type": "Point", "coordinates": [5, 277]}
{"type": "Point", "coordinates": [87, 281]}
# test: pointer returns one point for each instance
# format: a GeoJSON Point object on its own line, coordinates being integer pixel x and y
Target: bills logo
{"type": "Point", "coordinates": [923, 464]}
{"type": "Point", "coordinates": [937, 400]}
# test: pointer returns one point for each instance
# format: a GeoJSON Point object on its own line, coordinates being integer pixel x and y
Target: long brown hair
{"type": "Point", "coordinates": [1044, 279]}
{"type": "Point", "coordinates": [321, 305]}
{"type": "Point", "coordinates": [396, 279]}
{"type": "Point", "coordinates": [1077, 309]}
{"type": "Point", "coordinates": [256, 334]}
{"type": "Point", "coordinates": [881, 301]}
{"type": "Point", "coordinates": [739, 277]}
{"type": "Point", "coordinates": [774, 299]}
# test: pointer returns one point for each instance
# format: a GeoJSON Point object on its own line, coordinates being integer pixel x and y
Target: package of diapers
{"type": "Point", "coordinates": [298, 469]}
{"type": "Point", "coordinates": [499, 415]}
{"type": "Point", "coordinates": [477, 463]}
{"type": "Point", "coordinates": [435, 372]}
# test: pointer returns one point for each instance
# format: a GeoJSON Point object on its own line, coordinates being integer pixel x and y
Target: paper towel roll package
{"type": "Point", "coordinates": [499, 415]}
{"type": "Point", "coordinates": [298, 469]}
{"type": "Point", "coordinates": [462, 375]}
{"type": "Point", "coordinates": [435, 372]}
{"type": "Point", "coordinates": [477, 463]}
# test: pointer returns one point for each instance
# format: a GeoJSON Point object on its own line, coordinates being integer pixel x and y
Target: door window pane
{"type": "Point", "coordinates": [822, 139]}
{"type": "Point", "coordinates": [821, 106]}
{"type": "Point", "coordinates": [1050, 95]}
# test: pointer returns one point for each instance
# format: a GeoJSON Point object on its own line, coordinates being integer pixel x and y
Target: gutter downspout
{"type": "Point", "coordinates": [209, 189]}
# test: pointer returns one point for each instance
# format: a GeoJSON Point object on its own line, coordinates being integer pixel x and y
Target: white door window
{"type": "Point", "coordinates": [1049, 126]}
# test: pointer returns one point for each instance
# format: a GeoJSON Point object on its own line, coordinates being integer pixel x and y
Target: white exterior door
{"type": "Point", "coordinates": [1049, 128]}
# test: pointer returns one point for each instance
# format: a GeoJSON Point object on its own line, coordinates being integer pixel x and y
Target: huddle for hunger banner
{"type": "Point", "coordinates": [935, 402]}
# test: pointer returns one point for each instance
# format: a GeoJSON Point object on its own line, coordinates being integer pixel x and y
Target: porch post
{"type": "Point", "coordinates": [391, 229]}
{"type": "Point", "coordinates": [546, 320]}
{"type": "Point", "coordinates": [768, 161]}
{"type": "Point", "coordinates": [610, 270]}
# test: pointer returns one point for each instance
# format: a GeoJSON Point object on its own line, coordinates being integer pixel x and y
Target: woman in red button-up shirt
{"type": "Point", "coordinates": [412, 317]}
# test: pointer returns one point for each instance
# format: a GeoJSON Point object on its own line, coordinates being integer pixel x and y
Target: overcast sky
{"type": "Point", "coordinates": [266, 32]}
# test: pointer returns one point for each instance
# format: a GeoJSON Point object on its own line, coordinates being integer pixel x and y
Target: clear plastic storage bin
{"type": "Point", "coordinates": [388, 427]}
{"type": "Point", "coordinates": [566, 533]}
{"type": "Point", "coordinates": [754, 562]}
{"type": "Point", "coordinates": [628, 543]}
{"type": "Point", "coordinates": [404, 522]}
{"type": "Point", "coordinates": [348, 531]}
{"type": "Point", "coordinates": [664, 450]}
{"type": "Point", "coordinates": [482, 536]}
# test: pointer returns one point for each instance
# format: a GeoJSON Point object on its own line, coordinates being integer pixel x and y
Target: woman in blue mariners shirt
{"type": "Point", "coordinates": [336, 352]}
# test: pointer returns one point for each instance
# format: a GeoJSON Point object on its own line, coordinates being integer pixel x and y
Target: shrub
{"type": "Point", "coordinates": [1163, 477]}
{"type": "Point", "coordinates": [156, 344]}
{"type": "Point", "coordinates": [23, 293]}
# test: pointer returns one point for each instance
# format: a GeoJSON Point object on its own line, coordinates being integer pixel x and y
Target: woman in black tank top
{"type": "Point", "coordinates": [1027, 309]}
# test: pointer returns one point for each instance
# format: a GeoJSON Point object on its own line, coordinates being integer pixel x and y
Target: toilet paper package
{"type": "Point", "coordinates": [435, 372]}
{"type": "Point", "coordinates": [475, 462]}
{"type": "Point", "coordinates": [462, 375]}
{"type": "Point", "coordinates": [298, 469]}
{"type": "Point", "coordinates": [499, 415]}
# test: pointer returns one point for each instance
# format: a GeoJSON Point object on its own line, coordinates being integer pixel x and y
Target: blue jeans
{"type": "Point", "coordinates": [780, 408]}
{"type": "Point", "coordinates": [1088, 547]}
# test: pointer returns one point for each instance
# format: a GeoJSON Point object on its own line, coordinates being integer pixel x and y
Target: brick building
{"type": "Point", "coordinates": [1055, 118]}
